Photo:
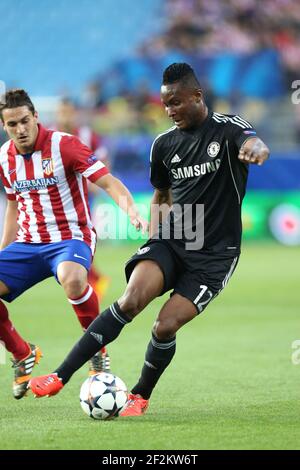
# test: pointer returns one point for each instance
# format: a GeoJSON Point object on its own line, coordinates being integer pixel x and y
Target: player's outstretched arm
{"type": "Point", "coordinates": [121, 195]}
{"type": "Point", "coordinates": [255, 151]}
{"type": "Point", "coordinates": [10, 224]}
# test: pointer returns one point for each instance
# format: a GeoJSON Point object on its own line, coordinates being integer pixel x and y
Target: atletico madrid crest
{"type": "Point", "coordinates": [48, 167]}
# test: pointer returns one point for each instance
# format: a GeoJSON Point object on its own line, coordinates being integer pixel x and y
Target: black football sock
{"type": "Point", "coordinates": [158, 356]}
{"type": "Point", "coordinates": [103, 330]}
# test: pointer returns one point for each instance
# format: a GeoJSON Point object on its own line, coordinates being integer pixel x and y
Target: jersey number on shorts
{"type": "Point", "coordinates": [205, 295]}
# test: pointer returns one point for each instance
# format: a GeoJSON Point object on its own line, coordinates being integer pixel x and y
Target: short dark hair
{"type": "Point", "coordinates": [14, 99]}
{"type": "Point", "coordinates": [180, 72]}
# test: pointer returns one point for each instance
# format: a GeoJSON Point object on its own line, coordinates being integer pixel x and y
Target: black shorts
{"type": "Point", "coordinates": [199, 276]}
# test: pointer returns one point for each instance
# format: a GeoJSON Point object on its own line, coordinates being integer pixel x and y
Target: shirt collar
{"type": "Point", "coordinates": [197, 131]}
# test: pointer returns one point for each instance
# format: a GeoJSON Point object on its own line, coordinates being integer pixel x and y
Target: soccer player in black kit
{"type": "Point", "coordinates": [199, 172]}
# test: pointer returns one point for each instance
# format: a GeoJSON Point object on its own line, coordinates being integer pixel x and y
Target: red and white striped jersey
{"type": "Point", "coordinates": [92, 140]}
{"type": "Point", "coordinates": [88, 137]}
{"type": "Point", "coordinates": [50, 187]}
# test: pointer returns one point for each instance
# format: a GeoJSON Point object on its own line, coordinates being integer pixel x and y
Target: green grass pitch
{"type": "Point", "coordinates": [231, 385]}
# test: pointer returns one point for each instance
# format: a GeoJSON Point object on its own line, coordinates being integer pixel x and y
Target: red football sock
{"type": "Point", "coordinates": [86, 307]}
{"type": "Point", "coordinates": [11, 338]}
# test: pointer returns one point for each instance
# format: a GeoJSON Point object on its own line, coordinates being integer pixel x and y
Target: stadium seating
{"type": "Point", "coordinates": [67, 42]}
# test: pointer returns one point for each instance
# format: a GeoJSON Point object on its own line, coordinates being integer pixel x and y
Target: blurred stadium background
{"type": "Point", "coordinates": [107, 57]}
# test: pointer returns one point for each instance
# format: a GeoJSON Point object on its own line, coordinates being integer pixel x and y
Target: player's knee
{"type": "Point", "coordinates": [166, 328]}
{"type": "Point", "coordinates": [131, 302]}
{"type": "Point", "coordinates": [74, 287]}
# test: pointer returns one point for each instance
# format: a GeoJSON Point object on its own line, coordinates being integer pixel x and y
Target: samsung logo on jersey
{"type": "Point", "coordinates": [39, 183]}
{"type": "Point", "coordinates": [195, 170]}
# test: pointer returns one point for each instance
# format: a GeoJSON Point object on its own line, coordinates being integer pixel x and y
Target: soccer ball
{"type": "Point", "coordinates": [103, 396]}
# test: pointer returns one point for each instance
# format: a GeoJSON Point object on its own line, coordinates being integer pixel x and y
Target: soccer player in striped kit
{"type": "Point", "coordinates": [48, 229]}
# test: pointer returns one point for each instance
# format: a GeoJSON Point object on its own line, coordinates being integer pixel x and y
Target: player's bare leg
{"type": "Point", "coordinates": [175, 313]}
{"type": "Point", "coordinates": [74, 280]}
{"type": "Point", "coordinates": [145, 284]}
{"type": "Point", "coordinates": [3, 289]}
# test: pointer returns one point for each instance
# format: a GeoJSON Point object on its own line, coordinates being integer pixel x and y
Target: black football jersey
{"type": "Point", "coordinates": [207, 180]}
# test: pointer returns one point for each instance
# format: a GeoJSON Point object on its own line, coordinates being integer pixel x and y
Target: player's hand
{"type": "Point", "coordinates": [254, 151]}
{"type": "Point", "coordinates": [139, 223]}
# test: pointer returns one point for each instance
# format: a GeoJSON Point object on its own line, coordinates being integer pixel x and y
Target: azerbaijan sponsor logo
{"type": "Point", "coordinates": [34, 184]}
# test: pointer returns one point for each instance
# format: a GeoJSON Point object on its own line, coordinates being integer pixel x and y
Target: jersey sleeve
{"type": "Point", "coordinates": [240, 131]}
{"type": "Point", "coordinates": [159, 174]}
{"type": "Point", "coordinates": [10, 193]}
{"type": "Point", "coordinates": [80, 158]}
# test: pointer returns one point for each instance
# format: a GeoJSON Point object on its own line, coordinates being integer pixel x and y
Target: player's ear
{"type": "Point", "coordinates": [198, 95]}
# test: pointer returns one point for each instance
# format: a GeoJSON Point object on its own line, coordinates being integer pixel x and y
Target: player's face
{"type": "Point", "coordinates": [21, 126]}
{"type": "Point", "coordinates": [183, 105]}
